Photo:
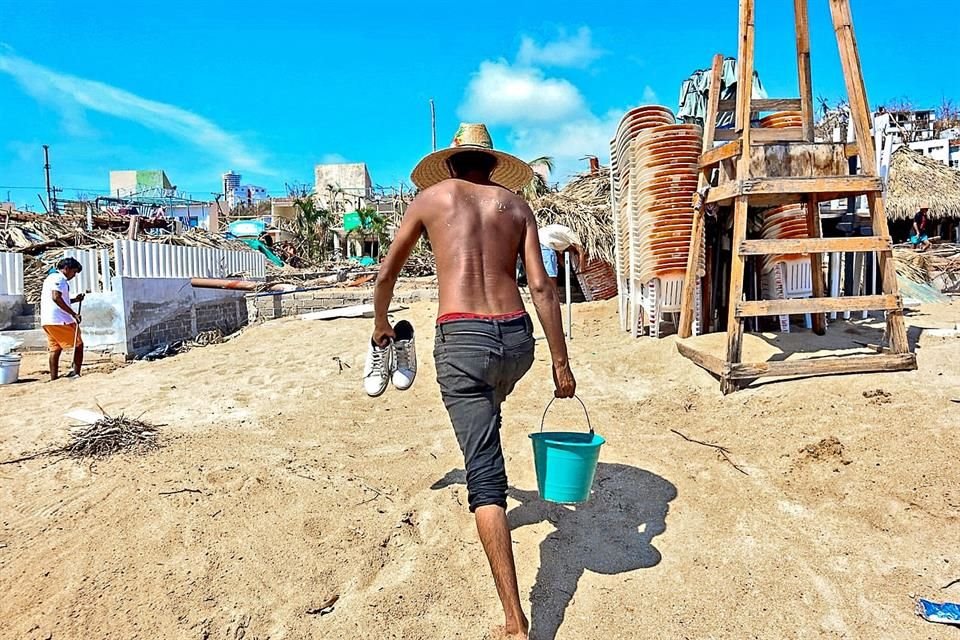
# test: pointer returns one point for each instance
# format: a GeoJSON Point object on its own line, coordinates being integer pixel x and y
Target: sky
{"type": "Point", "coordinates": [199, 88]}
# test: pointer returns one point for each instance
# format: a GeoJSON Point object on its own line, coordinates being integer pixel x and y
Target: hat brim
{"type": "Point", "coordinates": [511, 172]}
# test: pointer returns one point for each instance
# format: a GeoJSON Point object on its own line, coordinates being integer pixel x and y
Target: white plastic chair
{"type": "Point", "coordinates": [789, 280]}
{"type": "Point", "coordinates": [662, 296]}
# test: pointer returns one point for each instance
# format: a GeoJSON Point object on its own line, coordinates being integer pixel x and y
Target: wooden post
{"type": "Point", "coordinates": [745, 77]}
{"type": "Point", "coordinates": [696, 234]}
{"type": "Point", "coordinates": [734, 323]}
{"type": "Point", "coordinates": [816, 262]}
{"type": "Point", "coordinates": [803, 67]}
{"type": "Point", "coordinates": [860, 115]}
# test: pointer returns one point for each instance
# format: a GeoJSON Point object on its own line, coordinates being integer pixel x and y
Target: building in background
{"type": "Point", "coordinates": [151, 182]}
{"type": "Point", "coordinates": [231, 181]}
{"type": "Point", "coordinates": [245, 194]}
{"type": "Point", "coordinates": [343, 187]}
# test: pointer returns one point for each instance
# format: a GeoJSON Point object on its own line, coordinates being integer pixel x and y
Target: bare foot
{"type": "Point", "coordinates": [501, 633]}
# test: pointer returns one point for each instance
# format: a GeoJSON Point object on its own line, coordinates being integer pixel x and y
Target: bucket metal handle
{"type": "Point", "coordinates": [585, 413]}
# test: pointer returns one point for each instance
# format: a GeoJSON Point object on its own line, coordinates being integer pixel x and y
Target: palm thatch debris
{"type": "Point", "coordinates": [583, 206]}
{"type": "Point", "coordinates": [107, 436]}
{"type": "Point", "coordinates": [938, 266]}
{"type": "Point", "coordinates": [915, 180]}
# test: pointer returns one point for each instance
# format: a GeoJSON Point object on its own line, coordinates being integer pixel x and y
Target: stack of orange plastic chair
{"type": "Point", "coordinates": [663, 180]}
{"type": "Point", "coordinates": [631, 125]}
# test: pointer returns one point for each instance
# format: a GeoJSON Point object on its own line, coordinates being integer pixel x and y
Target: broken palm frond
{"type": "Point", "coordinates": [916, 180]}
{"type": "Point", "coordinates": [938, 267]}
{"type": "Point", "coordinates": [105, 437]}
{"type": "Point", "coordinates": [583, 206]}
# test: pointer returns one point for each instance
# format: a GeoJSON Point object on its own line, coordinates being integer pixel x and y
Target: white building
{"type": "Point", "coordinates": [245, 194]}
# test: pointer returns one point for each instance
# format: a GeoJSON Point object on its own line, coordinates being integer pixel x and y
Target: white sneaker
{"type": "Point", "coordinates": [404, 356]}
{"type": "Point", "coordinates": [376, 370]}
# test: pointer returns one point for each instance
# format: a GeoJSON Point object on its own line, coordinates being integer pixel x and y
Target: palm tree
{"type": "Point", "coordinates": [538, 184]}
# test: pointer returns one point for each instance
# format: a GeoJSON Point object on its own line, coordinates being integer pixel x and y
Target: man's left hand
{"type": "Point", "coordinates": [383, 334]}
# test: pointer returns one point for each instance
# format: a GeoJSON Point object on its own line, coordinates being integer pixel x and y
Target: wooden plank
{"type": "Point", "coordinates": [850, 185]}
{"type": "Point", "coordinates": [764, 105]}
{"type": "Point", "coordinates": [798, 160]}
{"type": "Point", "coordinates": [711, 363]}
{"type": "Point", "coordinates": [734, 324]}
{"type": "Point", "coordinates": [825, 366]}
{"type": "Point", "coordinates": [896, 327]}
{"type": "Point", "coordinates": [688, 294]}
{"type": "Point", "coordinates": [786, 134]}
{"type": "Point", "coordinates": [717, 155]}
{"type": "Point", "coordinates": [815, 245]}
{"type": "Point", "coordinates": [755, 308]}
{"type": "Point", "coordinates": [725, 135]}
{"type": "Point", "coordinates": [816, 263]}
{"type": "Point", "coordinates": [803, 67]}
{"type": "Point", "coordinates": [783, 190]}
{"type": "Point", "coordinates": [850, 149]}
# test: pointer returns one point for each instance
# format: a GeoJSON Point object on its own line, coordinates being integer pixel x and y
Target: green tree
{"type": "Point", "coordinates": [372, 223]}
{"type": "Point", "coordinates": [313, 223]}
{"type": "Point", "coordinates": [538, 185]}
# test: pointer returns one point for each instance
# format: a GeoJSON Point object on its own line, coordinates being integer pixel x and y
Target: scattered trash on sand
{"type": "Point", "coordinates": [325, 608]}
{"type": "Point", "coordinates": [946, 613]}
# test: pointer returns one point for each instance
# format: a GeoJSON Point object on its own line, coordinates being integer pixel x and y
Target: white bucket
{"type": "Point", "coordinates": [9, 368]}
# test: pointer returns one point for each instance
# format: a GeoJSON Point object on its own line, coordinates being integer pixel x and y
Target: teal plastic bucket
{"type": "Point", "coordinates": [566, 461]}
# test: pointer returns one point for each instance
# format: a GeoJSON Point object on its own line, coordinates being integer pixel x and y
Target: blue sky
{"type": "Point", "coordinates": [196, 88]}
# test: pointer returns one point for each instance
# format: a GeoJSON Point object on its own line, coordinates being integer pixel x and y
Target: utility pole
{"type": "Point", "coordinates": [51, 202]}
{"type": "Point", "coordinates": [433, 123]}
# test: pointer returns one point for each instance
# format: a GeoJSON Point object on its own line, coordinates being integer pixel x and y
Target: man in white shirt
{"type": "Point", "coordinates": [59, 321]}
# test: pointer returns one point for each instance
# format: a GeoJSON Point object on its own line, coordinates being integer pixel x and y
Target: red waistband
{"type": "Point", "coordinates": [498, 317]}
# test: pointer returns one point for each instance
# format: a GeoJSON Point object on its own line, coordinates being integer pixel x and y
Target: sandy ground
{"type": "Point", "coordinates": [303, 489]}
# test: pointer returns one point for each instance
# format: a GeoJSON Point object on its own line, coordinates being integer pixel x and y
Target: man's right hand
{"type": "Point", "coordinates": [563, 380]}
{"type": "Point", "coordinates": [76, 317]}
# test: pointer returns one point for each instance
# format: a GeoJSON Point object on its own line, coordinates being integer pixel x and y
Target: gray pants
{"type": "Point", "coordinates": [478, 364]}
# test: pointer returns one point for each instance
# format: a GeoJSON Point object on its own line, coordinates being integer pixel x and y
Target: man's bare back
{"type": "Point", "coordinates": [476, 231]}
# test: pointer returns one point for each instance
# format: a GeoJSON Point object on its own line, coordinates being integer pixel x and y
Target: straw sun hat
{"type": "Point", "coordinates": [510, 172]}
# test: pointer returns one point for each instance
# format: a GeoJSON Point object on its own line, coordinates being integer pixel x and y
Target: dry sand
{"type": "Point", "coordinates": [303, 489]}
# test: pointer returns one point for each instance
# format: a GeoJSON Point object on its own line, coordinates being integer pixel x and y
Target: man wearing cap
{"type": "Point", "coordinates": [478, 227]}
{"type": "Point", "coordinates": [58, 319]}
{"type": "Point", "coordinates": [918, 233]}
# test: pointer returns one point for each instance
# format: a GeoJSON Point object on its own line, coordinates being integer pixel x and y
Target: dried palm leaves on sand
{"type": "Point", "coordinates": [107, 436]}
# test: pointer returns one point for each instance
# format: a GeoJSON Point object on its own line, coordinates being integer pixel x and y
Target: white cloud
{"type": "Point", "coordinates": [565, 51]}
{"type": "Point", "coordinates": [543, 115]}
{"type": "Point", "coordinates": [650, 96]}
{"type": "Point", "coordinates": [499, 93]}
{"type": "Point", "coordinates": [73, 96]}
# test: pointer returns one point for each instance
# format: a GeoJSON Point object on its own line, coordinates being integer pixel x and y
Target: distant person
{"type": "Point", "coordinates": [58, 319]}
{"type": "Point", "coordinates": [478, 227]}
{"type": "Point", "coordinates": [555, 238]}
{"type": "Point", "coordinates": [918, 234]}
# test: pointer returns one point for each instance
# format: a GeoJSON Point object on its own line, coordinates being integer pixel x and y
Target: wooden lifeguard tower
{"type": "Point", "coordinates": [769, 167]}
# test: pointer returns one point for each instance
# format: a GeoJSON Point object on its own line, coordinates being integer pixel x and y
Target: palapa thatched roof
{"type": "Point", "coordinates": [915, 179]}
{"type": "Point", "coordinates": [584, 206]}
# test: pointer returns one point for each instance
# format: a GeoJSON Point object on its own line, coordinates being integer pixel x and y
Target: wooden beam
{"type": "Point", "coordinates": [825, 366]}
{"type": "Point", "coordinates": [719, 154]}
{"type": "Point", "coordinates": [787, 134]}
{"type": "Point", "coordinates": [688, 293]}
{"type": "Point", "coordinates": [850, 185]}
{"type": "Point", "coordinates": [764, 105]}
{"type": "Point", "coordinates": [755, 308]}
{"type": "Point", "coordinates": [816, 263]}
{"type": "Point", "coordinates": [711, 363]}
{"type": "Point", "coordinates": [850, 149]}
{"type": "Point", "coordinates": [803, 67]}
{"type": "Point", "coordinates": [734, 324]}
{"type": "Point", "coordinates": [815, 245]}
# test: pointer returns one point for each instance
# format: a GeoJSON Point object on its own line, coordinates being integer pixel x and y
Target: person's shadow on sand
{"type": "Point", "coordinates": [610, 534]}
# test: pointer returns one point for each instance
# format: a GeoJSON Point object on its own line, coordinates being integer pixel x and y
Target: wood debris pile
{"type": "Point", "coordinates": [584, 206]}
{"type": "Point", "coordinates": [420, 264]}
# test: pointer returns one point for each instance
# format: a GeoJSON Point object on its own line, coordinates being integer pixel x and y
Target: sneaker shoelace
{"type": "Point", "coordinates": [403, 355]}
{"type": "Point", "coordinates": [378, 356]}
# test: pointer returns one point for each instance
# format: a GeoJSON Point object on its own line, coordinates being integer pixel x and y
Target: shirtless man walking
{"type": "Point", "coordinates": [478, 227]}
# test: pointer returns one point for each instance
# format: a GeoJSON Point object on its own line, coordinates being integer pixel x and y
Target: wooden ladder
{"type": "Point", "coordinates": [770, 167]}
